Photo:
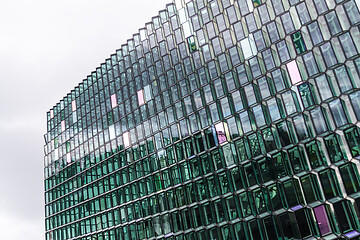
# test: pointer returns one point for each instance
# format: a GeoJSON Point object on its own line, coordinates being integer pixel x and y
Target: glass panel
{"type": "Point", "coordinates": [322, 219]}
{"type": "Point", "coordinates": [298, 42]}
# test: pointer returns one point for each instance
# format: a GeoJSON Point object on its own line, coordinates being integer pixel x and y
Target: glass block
{"type": "Point", "coordinates": [322, 219]}
{"type": "Point", "coordinates": [294, 72]}
{"type": "Point", "coordinates": [298, 42]}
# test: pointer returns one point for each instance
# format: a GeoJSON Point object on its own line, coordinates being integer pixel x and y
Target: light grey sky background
{"type": "Point", "coordinates": [46, 48]}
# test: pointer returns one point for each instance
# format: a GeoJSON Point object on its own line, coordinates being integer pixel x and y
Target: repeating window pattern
{"type": "Point", "coordinates": [232, 119]}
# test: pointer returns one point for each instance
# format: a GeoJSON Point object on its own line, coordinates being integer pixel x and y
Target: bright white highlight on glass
{"type": "Point", "coordinates": [126, 139]}
{"type": "Point", "coordinates": [112, 132]}
{"type": "Point", "coordinates": [293, 72]}
{"type": "Point", "coordinates": [250, 5]}
{"type": "Point", "coordinates": [63, 125]}
{"type": "Point", "coordinates": [142, 34]}
{"type": "Point", "coordinates": [51, 113]}
{"type": "Point", "coordinates": [248, 47]}
{"type": "Point", "coordinates": [113, 101]}
{"type": "Point", "coordinates": [73, 105]}
{"type": "Point", "coordinates": [140, 95]}
{"type": "Point", "coordinates": [187, 29]}
{"type": "Point", "coordinates": [182, 16]}
{"type": "Point", "coordinates": [178, 4]}
{"type": "Point", "coordinates": [68, 158]}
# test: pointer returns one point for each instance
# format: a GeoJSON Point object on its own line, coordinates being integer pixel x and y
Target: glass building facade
{"type": "Point", "coordinates": [231, 119]}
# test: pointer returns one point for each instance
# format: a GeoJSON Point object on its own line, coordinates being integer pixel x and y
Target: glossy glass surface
{"type": "Point", "coordinates": [218, 120]}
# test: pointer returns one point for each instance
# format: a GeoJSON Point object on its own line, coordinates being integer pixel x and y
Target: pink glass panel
{"type": "Point", "coordinates": [63, 125]}
{"type": "Point", "coordinates": [322, 219]}
{"type": "Point", "coordinates": [68, 158]}
{"type": "Point", "coordinates": [126, 139]}
{"type": "Point", "coordinates": [113, 101]}
{"type": "Point", "coordinates": [294, 72]}
{"type": "Point", "coordinates": [73, 105]}
{"type": "Point", "coordinates": [220, 131]}
{"type": "Point", "coordinates": [141, 99]}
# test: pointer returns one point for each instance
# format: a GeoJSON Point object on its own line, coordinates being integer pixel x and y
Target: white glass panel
{"type": "Point", "coordinates": [113, 101]}
{"type": "Point", "coordinates": [112, 132]}
{"type": "Point", "coordinates": [147, 93]}
{"type": "Point", "coordinates": [63, 125]}
{"type": "Point", "coordinates": [126, 139]}
{"type": "Point", "coordinates": [73, 105]}
{"type": "Point", "coordinates": [68, 158]}
{"type": "Point", "coordinates": [187, 29]}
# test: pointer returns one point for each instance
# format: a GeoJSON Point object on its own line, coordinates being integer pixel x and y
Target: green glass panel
{"type": "Point", "coordinates": [315, 154]}
{"type": "Point", "coordinates": [191, 43]}
{"type": "Point", "coordinates": [245, 199]}
{"type": "Point", "coordinates": [350, 177]}
{"type": "Point", "coordinates": [334, 149]}
{"type": "Point", "coordinates": [293, 193]}
{"type": "Point", "coordinates": [281, 164]}
{"type": "Point", "coordinates": [298, 42]}
{"type": "Point", "coordinates": [266, 169]}
{"type": "Point", "coordinates": [260, 200]}
{"type": "Point", "coordinates": [256, 2]}
{"type": "Point", "coordinates": [276, 196]}
{"type": "Point", "coordinates": [353, 139]}
{"type": "Point", "coordinates": [310, 187]}
{"type": "Point", "coordinates": [306, 95]}
{"type": "Point", "coordinates": [237, 178]}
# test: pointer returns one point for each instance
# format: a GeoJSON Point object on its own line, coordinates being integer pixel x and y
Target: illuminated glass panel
{"type": "Point", "coordinates": [293, 72]}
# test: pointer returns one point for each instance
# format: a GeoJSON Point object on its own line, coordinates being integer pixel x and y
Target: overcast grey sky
{"type": "Point", "coordinates": [46, 48]}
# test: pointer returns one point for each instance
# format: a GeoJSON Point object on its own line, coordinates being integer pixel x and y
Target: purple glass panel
{"type": "Point", "coordinates": [296, 207]}
{"type": "Point", "coordinates": [220, 131]}
{"type": "Point", "coordinates": [322, 219]}
{"type": "Point", "coordinates": [352, 234]}
{"type": "Point", "coordinates": [169, 235]}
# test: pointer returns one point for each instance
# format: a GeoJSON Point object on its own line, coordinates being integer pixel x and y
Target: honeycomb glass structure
{"type": "Point", "coordinates": [231, 119]}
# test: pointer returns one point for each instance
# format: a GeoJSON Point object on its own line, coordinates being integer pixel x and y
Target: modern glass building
{"type": "Point", "coordinates": [232, 119]}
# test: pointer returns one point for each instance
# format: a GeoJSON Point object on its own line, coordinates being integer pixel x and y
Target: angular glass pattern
{"type": "Point", "coordinates": [217, 120]}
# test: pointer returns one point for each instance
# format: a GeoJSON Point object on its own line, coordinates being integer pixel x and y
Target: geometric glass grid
{"type": "Point", "coordinates": [232, 119]}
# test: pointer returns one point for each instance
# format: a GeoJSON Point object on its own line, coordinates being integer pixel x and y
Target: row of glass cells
{"type": "Point", "coordinates": [271, 110]}
{"type": "Point", "coordinates": [281, 134]}
{"type": "Point", "coordinates": [286, 194]}
{"type": "Point", "coordinates": [298, 224]}
{"type": "Point", "coordinates": [348, 48]}
{"type": "Point", "coordinates": [294, 159]}
{"type": "Point", "coordinates": [345, 84]}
